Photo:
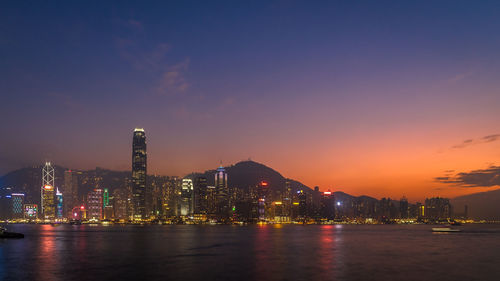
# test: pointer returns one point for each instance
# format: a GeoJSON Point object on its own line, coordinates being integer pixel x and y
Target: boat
{"type": "Point", "coordinates": [445, 229]}
{"type": "Point", "coordinates": [5, 234]}
{"type": "Point", "coordinates": [75, 222]}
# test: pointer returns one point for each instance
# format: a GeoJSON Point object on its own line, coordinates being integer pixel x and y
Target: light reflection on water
{"type": "Point", "coordinates": [260, 252]}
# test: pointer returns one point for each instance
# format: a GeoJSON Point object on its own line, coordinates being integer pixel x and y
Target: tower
{"type": "Point", "coordinates": [70, 192]}
{"type": "Point", "coordinates": [59, 204]}
{"type": "Point", "coordinates": [94, 204]}
{"type": "Point", "coordinates": [221, 191]}
{"type": "Point", "coordinates": [327, 205]}
{"type": "Point", "coordinates": [403, 208]}
{"type": "Point", "coordinates": [200, 196]}
{"type": "Point", "coordinates": [186, 197]}
{"type": "Point", "coordinates": [139, 165]}
{"type": "Point", "coordinates": [48, 192]}
{"type": "Point", "coordinates": [262, 191]}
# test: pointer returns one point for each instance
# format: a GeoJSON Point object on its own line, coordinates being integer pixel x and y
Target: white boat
{"type": "Point", "coordinates": [445, 229]}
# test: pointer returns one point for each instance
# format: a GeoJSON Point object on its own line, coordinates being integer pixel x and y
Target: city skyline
{"type": "Point", "coordinates": [374, 193]}
{"type": "Point", "coordinates": [345, 97]}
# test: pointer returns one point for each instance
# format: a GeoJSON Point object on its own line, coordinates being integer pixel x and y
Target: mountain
{"type": "Point", "coordinates": [245, 174]}
{"type": "Point", "coordinates": [29, 181]}
{"type": "Point", "coordinates": [482, 205]}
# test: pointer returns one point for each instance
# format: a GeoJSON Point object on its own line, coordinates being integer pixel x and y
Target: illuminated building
{"type": "Point", "coordinates": [437, 208]}
{"type": "Point", "coordinates": [48, 192]}
{"type": "Point", "coordinates": [301, 195]}
{"type": "Point", "coordinates": [105, 198]}
{"type": "Point", "coordinates": [287, 199]}
{"type": "Point", "coordinates": [139, 171]}
{"type": "Point", "coordinates": [5, 203]}
{"type": "Point", "coordinates": [94, 204]}
{"type": "Point", "coordinates": [107, 208]}
{"type": "Point", "coordinates": [221, 189]}
{"type": "Point", "coordinates": [403, 208]}
{"type": "Point", "coordinates": [120, 203]}
{"type": "Point", "coordinates": [17, 205]}
{"type": "Point", "coordinates": [186, 204]}
{"type": "Point", "coordinates": [211, 200]}
{"type": "Point", "coordinates": [279, 212]}
{"type": "Point", "coordinates": [200, 196]}
{"type": "Point", "coordinates": [262, 190]}
{"type": "Point", "coordinates": [108, 212]}
{"type": "Point", "coordinates": [316, 200]}
{"type": "Point", "coordinates": [70, 192]}
{"type": "Point", "coordinates": [327, 205]}
{"type": "Point", "coordinates": [59, 204]}
{"type": "Point", "coordinates": [30, 211]}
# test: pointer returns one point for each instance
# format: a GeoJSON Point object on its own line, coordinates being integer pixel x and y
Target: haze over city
{"type": "Point", "coordinates": [383, 100]}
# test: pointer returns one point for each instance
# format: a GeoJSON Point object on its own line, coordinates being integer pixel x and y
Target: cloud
{"type": "Point", "coordinates": [491, 138]}
{"type": "Point", "coordinates": [475, 178]}
{"type": "Point", "coordinates": [153, 60]}
{"type": "Point", "coordinates": [460, 76]}
{"type": "Point", "coordinates": [167, 74]}
{"type": "Point", "coordinates": [135, 24]}
{"type": "Point", "coordinates": [465, 143]}
{"type": "Point", "coordinates": [469, 142]}
{"type": "Point", "coordinates": [172, 80]}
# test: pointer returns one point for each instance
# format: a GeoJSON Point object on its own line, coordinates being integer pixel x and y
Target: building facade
{"type": "Point", "coordinates": [139, 172]}
{"type": "Point", "coordinates": [48, 192]}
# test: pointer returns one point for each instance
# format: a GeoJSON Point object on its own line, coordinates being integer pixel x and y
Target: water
{"type": "Point", "coordinates": [288, 252]}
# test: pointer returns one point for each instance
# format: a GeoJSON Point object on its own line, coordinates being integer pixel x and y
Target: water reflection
{"type": "Point", "coordinates": [48, 259]}
{"type": "Point", "coordinates": [327, 249]}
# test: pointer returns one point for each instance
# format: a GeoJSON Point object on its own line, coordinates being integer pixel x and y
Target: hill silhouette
{"type": "Point", "coordinates": [245, 174]}
{"type": "Point", "coordinates": [482, 205]}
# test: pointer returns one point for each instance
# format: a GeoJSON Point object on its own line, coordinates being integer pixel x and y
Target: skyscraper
{"type": "Point", "coordinates": [70, 192]}
{"type": "Point", "coordinates": [94, 204]}
{"type": "Point", "coordinates": [59, 204]}
{"type": "Point", "coordinates": [139, 164]}
{"type": "Point", "coordinates": [262, 190]}
{"type": "Point", "coordinates": [403, 208]}
{"type": "Point", "coordinates": [301, 195]}
{"type": "Point", "coordinates": [221, 190]}
{"type": "Point", "coordinates": [200, 196]}
{"type": "Point", "coordinates": [327, 205]}
{"type": "Point", "coordinates": [186, 203]}
{"type": "Point", "coordinates": [17, 205]}
{"type": "Point", "coordinates": [48, 192]}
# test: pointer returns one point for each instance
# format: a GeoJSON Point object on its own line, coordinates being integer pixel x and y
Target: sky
{"type": "Point", "coordinates": [382, 98]}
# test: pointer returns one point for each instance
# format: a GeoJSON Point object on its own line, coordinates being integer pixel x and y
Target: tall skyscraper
{"type": "Point", "coordinates": [301, 195]}
{"type": "Point", "coordinates": [327, 205]}
{"type": "Point", "coordinates": [70, 192]}
{"type": "Point", "coordinates": [221, 178]}
{"type": "Point", "coordinates": [187, 195]}
{"type": "Point", "coordinates": [48, 192]}
{"type": "Point", "coordinates": [139, 164]}
{"type": "Point", "coordinates": [59, 204]}
{"type": "Point", "coordinates": [201, 196]}
{"type": "Point", "coordinates": [5, 203]}
{"type": "Point", "coordinates": [120, 203]}
{"type": "Point", "coordinates": [403, 208]}
{"type": "Point", "coordinates": [263, 190]}
{"type": "Point", "coordinates": [222, 192]}
{"type": "Point", "coordinates": [94, 204]}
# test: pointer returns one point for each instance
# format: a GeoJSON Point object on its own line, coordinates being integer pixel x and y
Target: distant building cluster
{"type": "Point", "coordinates": [147, 198]}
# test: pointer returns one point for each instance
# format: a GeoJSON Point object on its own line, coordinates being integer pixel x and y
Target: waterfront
{"type": "Point", "coordinates": [267, 252]}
